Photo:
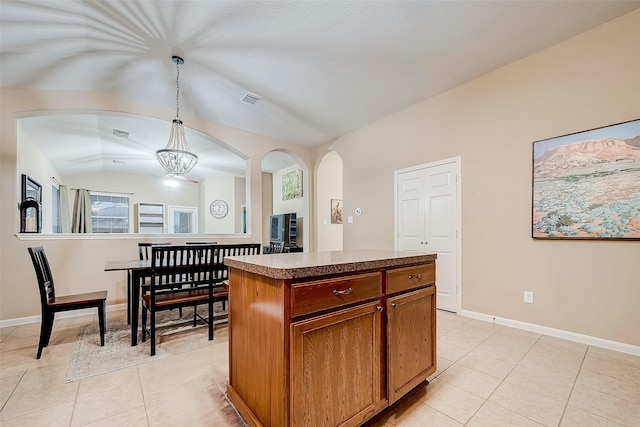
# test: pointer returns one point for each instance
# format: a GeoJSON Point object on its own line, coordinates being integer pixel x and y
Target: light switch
{"type": "Point", "coordinates": [349, 219]}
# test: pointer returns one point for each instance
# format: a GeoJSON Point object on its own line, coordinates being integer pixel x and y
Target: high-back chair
{"type": "Point", "coordinates": [276, 247]}
{"type": "Point", "coordinates": [181, 276]}
{"type": "Point", "coordinates": [50, 304]}
{"type": "Point", "coordinates": [223, 251]}
{"type": "Point", "coordinates": [144, 249]}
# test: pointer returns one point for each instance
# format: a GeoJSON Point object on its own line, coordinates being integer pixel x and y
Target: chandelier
{"type": "Point", "coordinates": [176, 158]}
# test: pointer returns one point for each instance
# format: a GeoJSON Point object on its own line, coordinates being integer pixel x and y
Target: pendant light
{"type": "Point", "coordinates": [176, 158]}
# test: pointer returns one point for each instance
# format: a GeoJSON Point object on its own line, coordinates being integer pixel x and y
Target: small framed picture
{"type": "Point", "coordinates": [336, 211]}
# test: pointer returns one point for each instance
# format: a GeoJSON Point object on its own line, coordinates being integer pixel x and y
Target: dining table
{"type": "Point", "coordinates": [136, 270]}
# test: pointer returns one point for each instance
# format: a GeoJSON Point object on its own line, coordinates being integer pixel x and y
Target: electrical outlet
{"type": "Point", "coordinates": [528, 297]}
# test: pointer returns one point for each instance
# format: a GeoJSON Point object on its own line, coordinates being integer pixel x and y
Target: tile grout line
{"type": "Point", "coordinates": [502, 382]}
{"type": "Point", "coordinates": [564, 410]}
{"type": "Point", "coordinates": [457, 361]}
{"type": "Point", "coordinates": [14, 389]}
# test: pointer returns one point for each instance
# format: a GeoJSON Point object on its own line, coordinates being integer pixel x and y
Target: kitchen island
{"type": "Point", "coordinates": [328, 338]}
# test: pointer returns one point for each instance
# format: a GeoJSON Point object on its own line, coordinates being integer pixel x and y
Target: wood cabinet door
{"type": "Point", "coordinates": [335, 367]}
{"type": "Point", "coordinates": [411, 338]}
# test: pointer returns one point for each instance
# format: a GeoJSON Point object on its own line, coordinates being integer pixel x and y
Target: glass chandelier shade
{"type": "Point", "coordinates": [176, 158]}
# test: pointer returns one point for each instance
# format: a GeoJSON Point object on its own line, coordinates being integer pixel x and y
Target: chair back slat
{"type": "Point", "coordinates": [43, 274]}
{"type": "Point", "coordinates": [188, 267]}
{"type": "Point", "coordinates": [144, 249]}
{"type": "Point", "coordinates": [276, 248]}
{"type": "Point", "coordinates": [223, 251]}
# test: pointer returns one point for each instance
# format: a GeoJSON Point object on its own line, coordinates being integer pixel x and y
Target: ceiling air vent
{"type": "Point", "coordinates": [250, 98]}
{"type": "Point", "coordinates": [121, 133]}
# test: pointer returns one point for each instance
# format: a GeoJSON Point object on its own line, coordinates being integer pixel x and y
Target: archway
{"type": "Point", "coordinates": [285, 190]}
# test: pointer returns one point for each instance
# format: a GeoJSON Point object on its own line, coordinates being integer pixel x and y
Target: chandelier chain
{"type": "Point", "coordinates": [177, 90]}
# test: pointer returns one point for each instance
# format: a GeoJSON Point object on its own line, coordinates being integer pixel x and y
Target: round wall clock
{"type": "Point", "coordinates": [219, 208]}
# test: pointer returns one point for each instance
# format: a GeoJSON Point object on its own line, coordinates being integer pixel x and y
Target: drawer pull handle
{"type": "Point", "coordinates": [347, 292]}
{"type": "Point", "coordinates": [379, 307]}
{"type": "Point", "coordinates": [394, 305]}
{"type": "Point", "coordinates": [415, 276]}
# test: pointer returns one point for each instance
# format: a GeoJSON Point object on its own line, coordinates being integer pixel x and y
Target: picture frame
{"type": "Point", "coordinates": [292, 185]}
{"type": "Point", "coordinates": [336, 211]}
{"type": "Point", "coordinates": [586, 185]}
{"type": "Point", "coordinates": [30, 188]}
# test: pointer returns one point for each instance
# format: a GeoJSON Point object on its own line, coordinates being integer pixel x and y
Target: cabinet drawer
{"type": "Point", "coordinates": [320, 295]}
{"type": "Point", "coordinates": [402, 279]}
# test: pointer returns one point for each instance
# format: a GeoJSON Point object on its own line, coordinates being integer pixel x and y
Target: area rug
{"type": "Point", "coordinates": [90, 359]}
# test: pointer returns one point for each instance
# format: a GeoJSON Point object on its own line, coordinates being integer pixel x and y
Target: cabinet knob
{"type": "Point", "coordinates": [379, 308]}
{"type": "Point", "coordinates": [394, 305]}
{"type": "Point", "coordinates": [342, 292]}
{"type": "Point", "coordinates": [415, 276]}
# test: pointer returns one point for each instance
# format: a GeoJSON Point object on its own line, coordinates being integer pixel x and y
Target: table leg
{"type": "Point", "coordinates": [134, 303]}
{"type": "Point", "coordinates": [129, 279]}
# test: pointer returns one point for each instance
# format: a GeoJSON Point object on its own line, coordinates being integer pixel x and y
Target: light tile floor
{"type": "Point", "coordinates": [488, 375]}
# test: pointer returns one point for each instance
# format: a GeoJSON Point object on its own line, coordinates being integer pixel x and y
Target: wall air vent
{"type": "Point", "coordinates": [250, 98]}
{"type": "Point", "coordinates": [121, 133]}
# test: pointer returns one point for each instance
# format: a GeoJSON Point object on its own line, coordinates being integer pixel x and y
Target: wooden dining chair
{"type": "Point", "coordinates": [181, 276]}
{"type": "Point", "coordinates": [50, 304]}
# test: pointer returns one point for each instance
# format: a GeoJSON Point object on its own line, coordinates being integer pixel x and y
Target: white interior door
{"type": "Point", "coordinates": [427, 220]}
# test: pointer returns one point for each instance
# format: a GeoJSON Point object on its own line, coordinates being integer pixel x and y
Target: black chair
{"type": "Point", "coordinates": [276, 247]}
{"type": "Point", "coordinates": [50, 304]}
{"type": "Point", "coordinates": [222, 271]}
{"type": "Point", "coordinates": [144, 249]}
{"type": "Point", "coordinates": [181, 276]}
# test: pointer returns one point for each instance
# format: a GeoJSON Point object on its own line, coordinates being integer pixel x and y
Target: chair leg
{"type": "Point", "coordinates": [152, 314]}
{"type": "Point", "coordinates": [46, 324]}
{"type": "Point", "coordinates": [101, 322]}
{"type": "Point", "coordinates": [144, 323]}
{"type": "Point", "coordinates": [50, 320]}
{"type": "Point", "coordinates": [210, 320]}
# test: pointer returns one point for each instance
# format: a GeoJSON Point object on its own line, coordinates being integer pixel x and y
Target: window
{"type": "Point", "coordinates": [109, 213]}
{"type": "Point", "coordinates": [183, 219]}
{"type": "Point", "coordinates": [56, 226]}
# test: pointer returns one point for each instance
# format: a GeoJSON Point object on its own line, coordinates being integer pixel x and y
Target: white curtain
{"type": "Point", "coordinates": [82, 212]}
{"type": "Point", "coordinates": [65, 217]}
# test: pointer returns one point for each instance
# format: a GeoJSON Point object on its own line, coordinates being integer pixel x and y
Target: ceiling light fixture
{"type": "Point", "coordinates": [176, 157]}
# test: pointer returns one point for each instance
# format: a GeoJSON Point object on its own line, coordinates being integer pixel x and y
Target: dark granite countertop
{"type": "Point", "coordinates": [309, 264]}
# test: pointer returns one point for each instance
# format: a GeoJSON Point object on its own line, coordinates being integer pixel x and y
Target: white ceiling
{"type": "Point", "coordinates": [323, 68]}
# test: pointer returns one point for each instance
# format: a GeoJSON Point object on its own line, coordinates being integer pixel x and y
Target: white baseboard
{"type": "Point", "coordinates": [558, 333]}
{"type": "Point", "coordinates": [61, 315]}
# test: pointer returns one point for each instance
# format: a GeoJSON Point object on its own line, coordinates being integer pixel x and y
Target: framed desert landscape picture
{"type": "Point", "coordinates": [586, 185]}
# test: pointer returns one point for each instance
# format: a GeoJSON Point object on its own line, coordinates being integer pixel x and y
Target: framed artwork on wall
{"type": "Point", "coordinates": [336, 211]}
{"type": "Point", "coordinates": [586, 185]}
{"type": "Point", "coordinates": [292, 185]}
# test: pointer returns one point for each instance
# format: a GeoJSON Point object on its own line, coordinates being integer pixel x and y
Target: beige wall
{"type": "Point", "coordinates": [329, 179]}
{"type": "Point", "coordinates": [592, 80]}
{"type": "Point", "coordinates": [78, 263]}
{"type": "Point", "coordinates": [267, 205]}
{"type": "Point", "coordinates": [299, 206]}
{"type": "Point", "coordinates": [37, 167]}
{"type": "Point", "coordinates": [589, 288]}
